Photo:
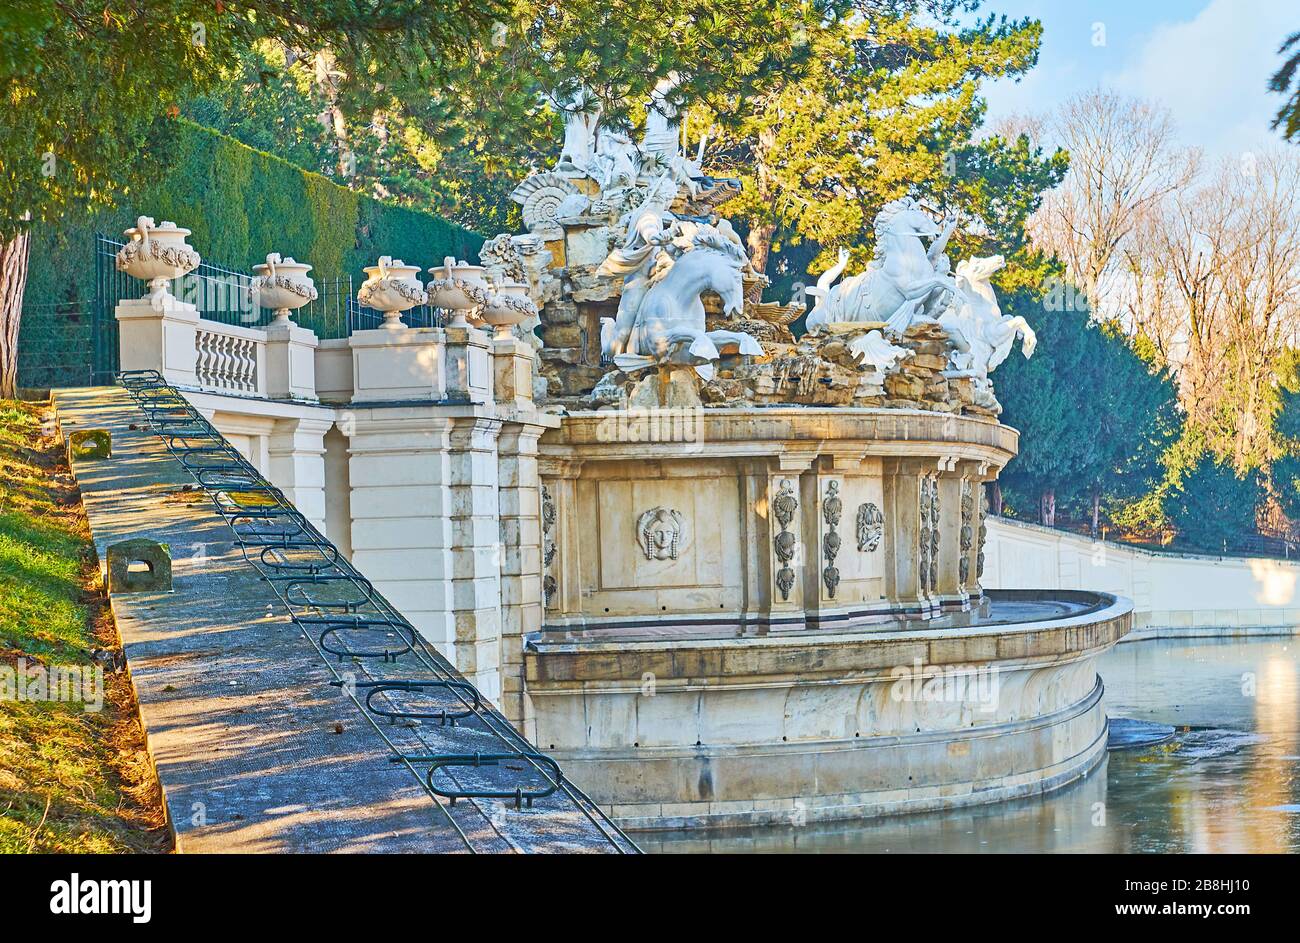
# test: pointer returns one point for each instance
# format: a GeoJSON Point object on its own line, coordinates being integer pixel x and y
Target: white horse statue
{"type": "Point", "coordinates": [669, 326]}
{"type": "Point", "coordinates": [981, 334]}
{"type": "Point", "coordinates": [904, 281]}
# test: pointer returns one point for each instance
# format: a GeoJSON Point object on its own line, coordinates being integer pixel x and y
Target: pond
{"type": "Point", "coordinates": [1227, 781]}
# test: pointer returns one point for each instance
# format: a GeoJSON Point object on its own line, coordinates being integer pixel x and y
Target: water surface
{"type": "Point", "coordinates": [1228, 780]}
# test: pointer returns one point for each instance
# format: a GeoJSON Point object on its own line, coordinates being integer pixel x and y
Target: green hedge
{"type": "Point", "coordinates": [241, 204]}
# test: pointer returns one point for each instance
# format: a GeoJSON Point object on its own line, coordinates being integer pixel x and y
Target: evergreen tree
{"type": "Point", "coordinates": [1094, 417]}
{"type": "Point", "coordinates": [1213, 504]}
{"type": "Point", "coordinates": [87, 88]}
{"type": "Point", "coordinates": [887, 107]}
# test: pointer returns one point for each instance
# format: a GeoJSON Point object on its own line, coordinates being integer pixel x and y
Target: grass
{"type": "Point", "coordinates": [71, 780]}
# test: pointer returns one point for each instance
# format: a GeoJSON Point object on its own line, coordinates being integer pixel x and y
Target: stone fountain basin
{"type": "Point", "coordinates": [687, 727]}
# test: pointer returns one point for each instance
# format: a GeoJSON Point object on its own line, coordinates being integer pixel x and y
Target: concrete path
{"type": "Point", "coordinates": [254, 750]}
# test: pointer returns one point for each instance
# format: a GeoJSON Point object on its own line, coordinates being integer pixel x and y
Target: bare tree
{"type": "Point", "coordinates": [1218, 272]}
{"type": "Point", "coordinates": [1124, 160]}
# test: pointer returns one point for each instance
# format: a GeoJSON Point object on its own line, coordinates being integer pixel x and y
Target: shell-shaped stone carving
{"type": "Point", "coordinates": [540, 196]}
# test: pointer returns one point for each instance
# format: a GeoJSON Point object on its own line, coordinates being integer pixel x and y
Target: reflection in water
{"type": "Point", "coordinates": [1229, 781]}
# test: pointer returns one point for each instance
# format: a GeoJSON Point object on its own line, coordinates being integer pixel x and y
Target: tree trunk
{"type": "Point", "coordinates": [332, 118]}
{"type": "Point", "coordinates": [995, 498]}
{"type": "Point", "coordinates": [13, 280]}
{"type": "Point", "coordinates": [1047, 508]}
{"type": "Point", "coordinates": [759, 243]}
{"type": "Point", "coordinates": [1096, 514]}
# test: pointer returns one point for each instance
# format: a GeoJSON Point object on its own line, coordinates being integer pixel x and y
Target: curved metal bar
{"type": "Point", "coordinates": [519, 793]}
{"type": "Point", "coordinates": [175, 420]}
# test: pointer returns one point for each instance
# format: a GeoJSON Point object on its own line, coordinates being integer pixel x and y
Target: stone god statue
{"type": "Point", "coordinates": [617, 161]}
{"type": "Point", "coordinates": [581, 118]}
{"type": "Point", "coordinates": [662, 130]}
{"type": "Point", "coordinates": [667, 264]}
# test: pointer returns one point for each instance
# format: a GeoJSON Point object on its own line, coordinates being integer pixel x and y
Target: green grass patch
{"type": "Point", "coordinates": [71, 779]}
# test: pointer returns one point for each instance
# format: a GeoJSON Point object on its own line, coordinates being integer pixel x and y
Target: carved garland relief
{"type": "Point", "coordinates": [923, 536]}
{"type": "Point", "coordinates": [967, 537]}
{"type": "Point", "coordinates": [832, 508]}
{"type": "Point", "coordinates": [784, 506]}
{"type": "Point", "coordinates": [548, 545]}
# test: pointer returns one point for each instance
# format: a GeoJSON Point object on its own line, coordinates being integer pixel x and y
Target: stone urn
{"type": "Point", "coordinates": [507, 304]}
{"type": "Point", "coordinates": [458, 287]}
{"type": "Point", "coordinates": [392, 287]}
{"type": "Point", "coordinates": [156, 254]}
{"type": "Point", "coordinates": [282, 285]}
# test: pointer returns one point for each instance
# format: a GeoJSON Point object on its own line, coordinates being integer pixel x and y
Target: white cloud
{"type": "Point", "coordinates": [1212, 72]}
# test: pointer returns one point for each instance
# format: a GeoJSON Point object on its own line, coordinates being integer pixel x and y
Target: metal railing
{"type": "Point", "coordinates": [393, 674]}
{"type": "Point", "coordinates": [221, 294]}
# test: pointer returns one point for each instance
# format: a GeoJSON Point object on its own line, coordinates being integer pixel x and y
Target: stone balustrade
{"type": "Point", "coordinates": [413, 449]}
{"type": "Point", "coordinates": [229, 358]}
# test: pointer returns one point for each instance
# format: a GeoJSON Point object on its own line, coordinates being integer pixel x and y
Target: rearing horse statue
{"type": "Point", "coordinates": [982, 334]}
{"type": "Point", "coordinates": [904, 281]}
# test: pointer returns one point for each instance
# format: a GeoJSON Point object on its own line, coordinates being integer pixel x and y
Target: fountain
{"type": "Point", "coordinates": [761, 553]}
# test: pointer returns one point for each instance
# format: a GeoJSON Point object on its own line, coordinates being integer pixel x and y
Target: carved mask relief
{"type": "Point", "coordinates": [661, 532]}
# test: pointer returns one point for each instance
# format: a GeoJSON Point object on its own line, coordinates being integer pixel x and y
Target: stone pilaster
{"type": "Point", "coordinates": [295, 452]}
{"type": "Point", "coordinates": [562, 576]}
{"type": "Point", "coordinates": [476, 551]}
{"type": "Point", "coordinates": [399, 474]}
{"type": "Point", "coordinates": [791, 509]}
{"type": "Point", "coordinates": [520, 502]}
{"type": "Point", "coordinates": [951, 482]}
{"type": "Point", "coordinates": [833, 534]}
{"type": "Point", "coordinates": [903, 483]}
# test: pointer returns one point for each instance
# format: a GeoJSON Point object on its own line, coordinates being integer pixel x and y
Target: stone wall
{"type": "Point", "coordinates": [1172, 593]}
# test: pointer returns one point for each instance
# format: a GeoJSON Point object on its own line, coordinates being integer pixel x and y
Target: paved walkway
{"type": "Point", "coordinates": [254, 750]}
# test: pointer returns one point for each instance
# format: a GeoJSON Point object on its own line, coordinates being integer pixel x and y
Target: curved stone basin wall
{"type": "Point", "coordinates": [744, 609]}
{"type": "Point", "coordinates": [780, 517]}
{"type": "Point", "coordinates": [777, 729]}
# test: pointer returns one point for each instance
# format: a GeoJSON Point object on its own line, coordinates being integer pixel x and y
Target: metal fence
{"type": "Point", "coordinates": [221, 294]}
{"type": "Point", "coordinates": [54, 348]}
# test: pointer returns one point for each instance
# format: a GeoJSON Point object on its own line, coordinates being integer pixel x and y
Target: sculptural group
{"type": "Point", "coordinates": [639, 273]}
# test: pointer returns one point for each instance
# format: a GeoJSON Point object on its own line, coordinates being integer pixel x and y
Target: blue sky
{"type": "Point", "coordinates": [1208, 61]}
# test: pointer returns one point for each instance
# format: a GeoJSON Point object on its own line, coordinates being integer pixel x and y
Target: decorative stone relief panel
{"type": "Point", "coordinates": [871, 527]}
{"type": "Point", "coordinates": [923, 535]}
{"type": "Point", "coordinates": [548, 545]}
{"type": "Point", "coordinates": [983, 535]}
{"type": "Point", "coordinates": [934, 534]}
{"type": "Point", "coordinates": [784, 506]}
{"type": "Point", "coordinates": [661, 532]}
{"type": "Point", "coordinates": [832, 509]}
{"type": "Point", "coordinates": [967, 535]}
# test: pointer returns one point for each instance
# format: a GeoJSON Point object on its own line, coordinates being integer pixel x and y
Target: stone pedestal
{"type": "Point", "coordinates": [512, 369]}
{"type": "Point", "coordinates": [290, 362]}
{"type": "Point", "coordinates": [469, 366]}
{"type": "Point", "coordinates": [161, 339]}
{"type": "Point", "coordinates": [399, 363]}
{"type": "Point", "coordinates": [787, 519]}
